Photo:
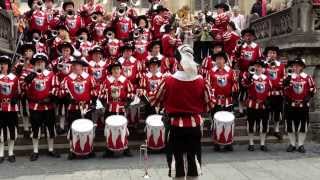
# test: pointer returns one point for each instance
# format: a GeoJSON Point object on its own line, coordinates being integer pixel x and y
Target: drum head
{"type": "Point", "coordinates": [154, 120]}
{"type": "Point", "coordinates": [82, 125]}
{"type": "Point", "coordinates": [224, 116]}
{"type": "Point", "coordinates": [99, 104]}
{"type": "Point", "coordinates": [116, 120]}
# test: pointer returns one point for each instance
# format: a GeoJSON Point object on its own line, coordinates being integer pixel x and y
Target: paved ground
{"type": "Point", "coordinates": [238, 165]}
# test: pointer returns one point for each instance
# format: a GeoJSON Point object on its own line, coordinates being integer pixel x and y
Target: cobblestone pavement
{"type": "Point", "coordinates": [238, 165]}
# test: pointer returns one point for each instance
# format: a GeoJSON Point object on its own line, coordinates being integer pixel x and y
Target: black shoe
{"type": "Point", "coordinates": [108, 153]}
{"type": "Point", "coordinates": [34, 156]}
{"type": "Point", "coordinates": [127, 153]}
{"type": "Point", "coordinates": [71, 156]}
{"type": "Point", "coordinates": [278, 135]}
{"type": "Point", "coordinates": [26, 134]}
{"type": "Point", "coordinates": [54, 154]}
{"type": "Point", "coordinates": [251, 148]}
{"type": "Point", "coordinates": [228, 148]}
{"type": "Point", "coordinates": [12, 159]}
{"type": "Point", "coordinates": [61, 131]}
{"type": "Point", "coordinates": [264, 148]}
{"type": "Point", "coordinates": [291, 148]}
{"type": "Point", "coordinates": [1, 159]}
{"type": "Point", "coordinates": [240, 115]}
{"type": "Point", "coordinates": [216, 148]}
{"type": "Point", "coordinates": [301, 149]}
{"type": "Point", "coordinates": [92, 155]}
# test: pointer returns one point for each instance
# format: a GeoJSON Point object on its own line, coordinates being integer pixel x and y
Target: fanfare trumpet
{"type": "Point", "coordinates": [144, 153]}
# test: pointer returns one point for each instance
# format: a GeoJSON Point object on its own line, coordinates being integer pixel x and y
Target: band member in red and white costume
{"type": "Point", "coordinates": [224, 83]}
{"type": "Point", "coordinates": [230, 39]}
{"type": "Point", "coordinates": [184, 110]}
{"type": "Point", "coordinates": [111, 45]}
{"type": "Point", "coordinates": [86, 10]}
{"type": "Point", "coordinates": [9, 107]}
{"type": "Point", "coordinates": [41, 88]}
{"type": "Point", "coordinates": [22, 69]}
{"type": "Point", "coordinates": [61, 36]}
{"type": "Point", "coordinates": [259, 90]}
{"type": "Point", "coordinates": [169, 43]}
{"type": "Point", "coordinates": [98, 25]}
{"type": "Point", "coordinates": [72, 21]}
{"type": "Point", "coordinates": [155, 51]}
{"type": "Point", "coordinates": [122, 23]}
{"type": "Point", "coordinates": [116, 93]}
{"type": "Point", "coordinates": [208, 63]}
{"type": "Point", "coordinates": [299, 89]}
{"type": "Point", "coordinates": [132, 12]}
{"type": "Point", "coordinates": [275, 71]}
{"type": "Point", "coordinates": [83, 44]}
{"type": "Point", "coordinates": [36, 38]}
{"type": "Point", "coordinates": [158, 21]}
{"type": "Point", "coordinates": [36, 17]}
{"type": "Point", "coordinates": [245, 54]}
{"type": "Point", "coordinates": [221, 21]}
{"type": "Point", "coordinates": [97, 64]}
{"type": "Point", "coordinates": [142, 22]}
{"type": "Point", "coordinates": [141, 46]}
{"type": "Point", "coordinates": [51, 13]}
{"type": "Point", "coordinates": [80, 89]}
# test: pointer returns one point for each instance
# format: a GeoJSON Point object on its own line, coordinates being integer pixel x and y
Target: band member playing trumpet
{"type": "Point", "coordinates": [299, 89]}
{"type": "Point", "coordinates": [158, 21]}
{"type": "Point", "coordinates": [36, 38]}
{"type": "Point", "coordinates": [80, 90]}
{"type": "Point", "coordinates": [223, 81]}
{"type": "Point", "coordinates": [184, 110]}
{"type": "Point", "coordinates": [9, 105]}
{"type": "Point", "coordinates": [41, 88]}
{"type": "Point", "coordinates": [221, 21]}
{"type": "Point", "coordinates": [98, 25]}
{"type": "Point", "coordinates": [111, 45]}
{"type": "Point", "coordinates": [116, 93]}
{"type": "Point", "coordinates": [142, 22]}
{"type": "Point", "coordinates": [259, 89]}
{"type": "Point", "coordinates": [275, 72]}
{"type": "Point", "coordinates": [122, 23]}
{"type": "Point", "coordinates": [36, 17]}
{"type": "Point", "coordinates": [83, 43]}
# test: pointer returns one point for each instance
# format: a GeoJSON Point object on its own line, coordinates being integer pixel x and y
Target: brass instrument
{"type": "Point", "coordinates": [144, 153]}
{"type": "Point", "coordinates": [94, 18]}
{"type": "Point", "coordinates": [252, 70]}
{"type": "Point", "coordinates": [289, 71]}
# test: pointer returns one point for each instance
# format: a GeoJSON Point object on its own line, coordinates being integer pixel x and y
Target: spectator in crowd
{"type": "Point", "coordinates": [238, 19]}
{"type": "Point", "coordinates": [257, 8]}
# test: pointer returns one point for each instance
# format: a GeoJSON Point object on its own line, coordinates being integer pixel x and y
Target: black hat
{"type": "Point", "coordinates": [127, 45]}
{"type": "Point", "coordinates": [223, 6]}
{"type": "Point", "coordinates": [232, 25]}
{"type": "Point", "coordinates": [220, 54]}
{"type": "Point", "coordinates": [96, 48]}
{"type": "Point", "coordinates": [161, 8]}
{"type": "Point", "coordinates": [142, 17]}
{"type": "Point", "coordinates": [153, 60]}
{"type": "Point", "coordinates": [258, 62]}
{"type": "Point", "coordinates": [66, 45]}
{"type": "Point", "coordinates": [114, 64]}
{"type": "Point", "coordinates": [30, 3]}
{"type": "Point", "coordinates": [27, 45]}
{"type": "Point", "coordinates": [298, 60]}
{"type": "Point", "coordinates": [168, 28]}
{"type": "Point", "coordinates": [5, 60]}
{"type": "Point", "coordinates": [39, 57]}
{"type": "Point", "coordinates": [67, 2]}
{"type": "Point", "coordinates": [248, 30]}
{"type": "Point", "coordinates": [79, 60]}
{"type": "Point", "coordinates": [82, 30]}
{"type": "Point", "coordinates": [154, 43]}
{"type": "Point", "coordinates": [271, 48]}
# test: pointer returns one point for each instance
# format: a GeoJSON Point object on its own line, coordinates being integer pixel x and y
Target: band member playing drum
{"type": "Point", "coordinates": [184, 110]}
{"type": "Point", "coordinates": [208, 62]}
{"type": "Point", "coordinates": [116, 93]}
{"type": "Point", "coordinates": [275, 72]}
{"type": "Point", "coordinates": [79, 88]}
{"type": "Point", "coordinates": [41, 88]}
{"type": "Point", "coordinates": [259, 89]}
{"type": "Point", "coordinates": [223, 81]}
{"type": "Point", "coordinates": [9, 107]}
{"type": "Point", "coordinates": [299, 88]}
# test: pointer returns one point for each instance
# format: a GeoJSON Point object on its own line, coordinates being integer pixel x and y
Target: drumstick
{"type": "Point", "coordinates": [80, 106]}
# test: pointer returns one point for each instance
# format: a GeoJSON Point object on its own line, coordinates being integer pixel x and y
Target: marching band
{"type": "Point", "coordinates": [73, 62]}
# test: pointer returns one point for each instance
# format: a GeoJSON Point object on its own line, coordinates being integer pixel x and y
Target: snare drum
{"type": "Point", "coordinates": [223, 128]}
{"type": "Point", "coordinates": [82, 137]}
{"type": "Point", "coordinates": [155, 132]}
{"type": "Point", "coordinates": [116, 133]}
